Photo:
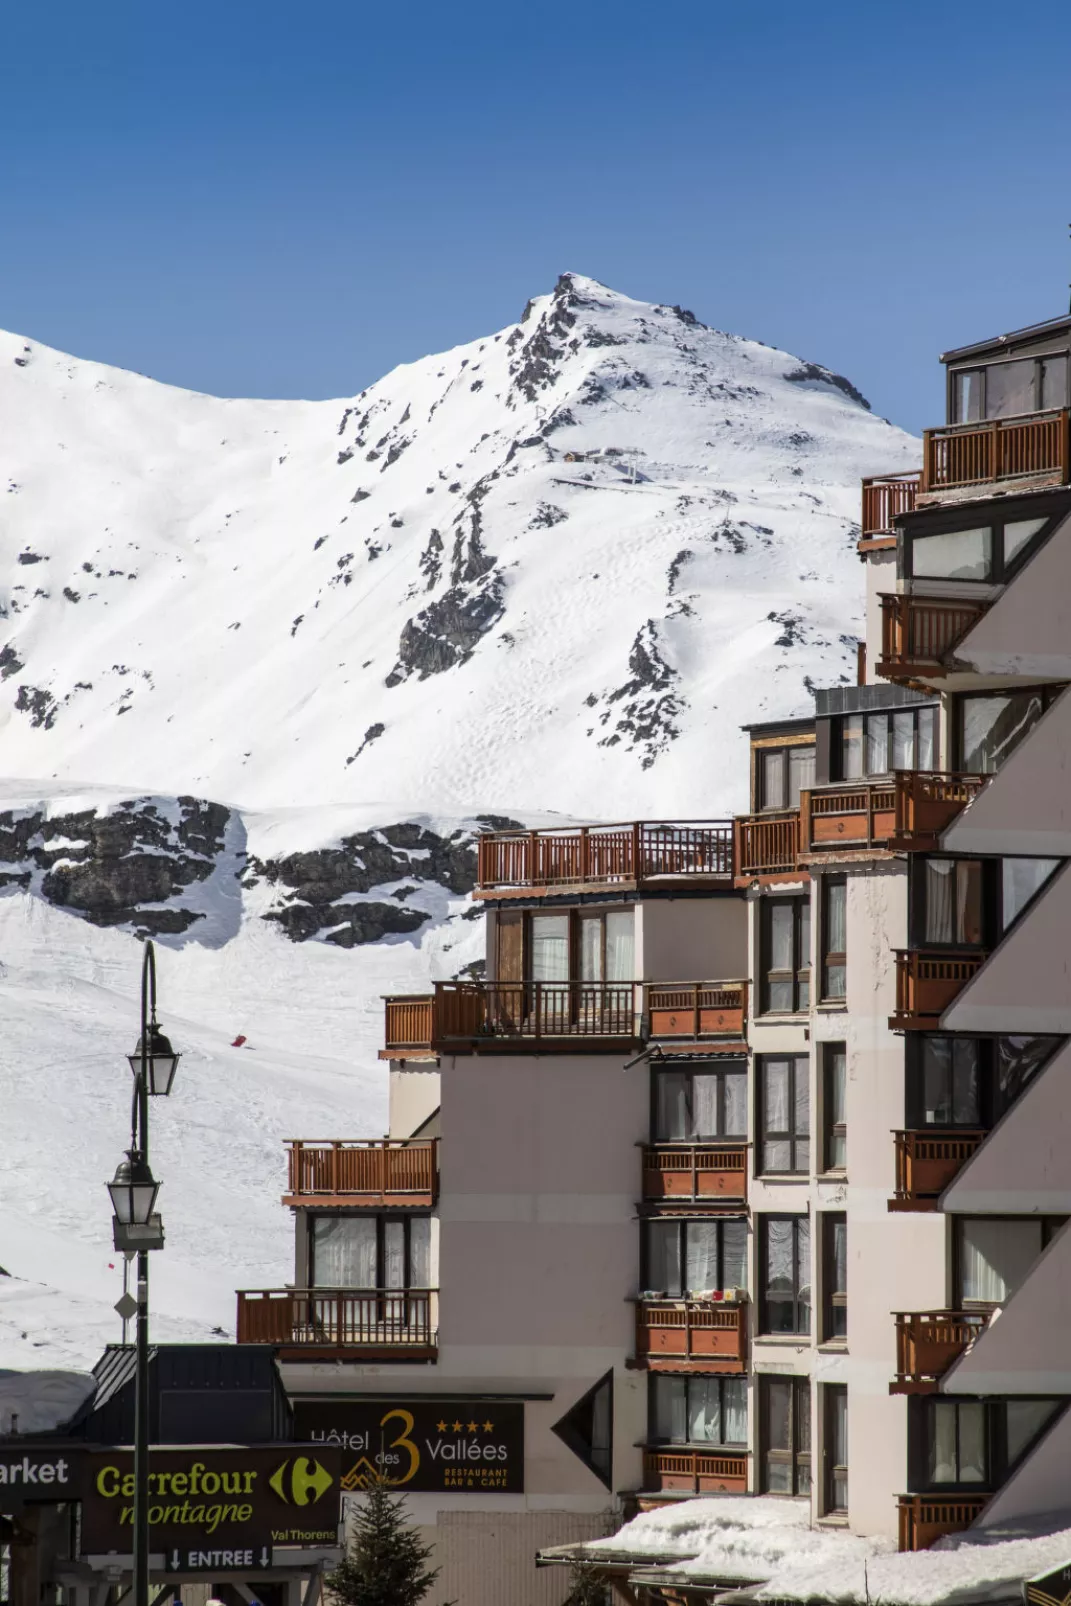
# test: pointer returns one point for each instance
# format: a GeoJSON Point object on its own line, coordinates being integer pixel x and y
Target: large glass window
{"type": "Point", "coordinates": [1009, 388]}
{"type": "Point", "coordinates": [957, 1448]}
{"type": "Point", "coordinates": [834, 1106]}
{"type": "Point", "coordinates": [785, 1435]}
{"type": "Point", "coordinates": [1021, 880]}
{"type": "Point", "coordinates": [953, 555]}
{"type": "Point", "coordinates": [786, 1274]}
{"type": "Point", "coordinates": [784, 1114]}
{"type": "Point", "coordinates": [697, 1410]}
{"type": "Point", "coordinates": [991, 727]}
{"type": "Point", "coordinates": [700, 1104]}
{"type": "Point", "coordinates": [973, 1444]}
{"type": "Point", "coordinates": [783, 773]}
{"type": "Point", "coordinates": [951, 1081]}
{"type": "Point", "coordinates": [995, 1254]}
{"type": "Point", "coordinates": [370, 1251]}
{"type": "Point", "coordinates": [967, 396]}
{"type": "Point", "coordinates": [835, 1448]}
{"type": "Point", "coordinates": [953, 894]}
{"type": "Point", "coordinates": [785, 957]}
{"type": "Point", "coordinates": [876, 744]}
{"type": "Point", "coordinates": [694, 1255]}
{"type": "Point", "coordinates": [550, 947]}
{"type": "Point", "coordinates": [970, 1081]}
{"type": "Point", "coordinates": [1053, 382]}
{"type": "Point", "coordinates": [605, 946]}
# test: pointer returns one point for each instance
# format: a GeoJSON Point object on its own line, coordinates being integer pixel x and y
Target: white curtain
{"type": "Point", "coordinates": [940, 879]}
{"type": "Point", "coordinates": [702, 1255]}
{"type": "Point", "coordinates": [735, 1105]}
{"type": "Point", "coordinates": [704, 1410]}
{"type": "Point", "coordinates": [343, 1252]}
{"type": "Point", "coordinates": [734, 1254]}
{"type": "Point", "coordinates": [550, 947]}
{"type": "Point", "coordinates": [704, 1122]}
{"type": "Point", "coordinates": [664, 1257]}
{"type": "Point", "coordinates": [420, 1253]}
{"type": "Point", "coordinates": [620, 964]}
{"type": "Point", "coordinates": [673, 1111]}
{"type": "Point", "coordinates": [734, 1410]}
{"type": "Point", "coordinates": [995, 1256]}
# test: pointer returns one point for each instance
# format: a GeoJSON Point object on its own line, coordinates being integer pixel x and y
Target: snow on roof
{"type": "Point", "coordinates": [41, 1402]}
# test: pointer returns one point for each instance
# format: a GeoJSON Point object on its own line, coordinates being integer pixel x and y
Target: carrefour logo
{"type": "Point", "coordinates": [300, 1482]}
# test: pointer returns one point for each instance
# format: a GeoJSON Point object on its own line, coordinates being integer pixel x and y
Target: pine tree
{"type": "Point", "coordinates": [587, 1588]}
{"type": "Point", "coordinates": [385, 1560]}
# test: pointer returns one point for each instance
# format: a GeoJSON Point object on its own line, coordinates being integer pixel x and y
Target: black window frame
{"type": "Point", "coordinates": [576, 1429]}
{"type": "Point", "coordinates": [763, 805]}
{"type": "Point", "coordinates": [992, 919]}
{"type": "Point", "coordinates": [799, 1283]}
{"type": "Point", "coordinates": [1049, 1225]}
{"type": "Point", "coordinates": [831, 960]}
{"type": "Point", "coordinates": [799, 1066]}
{"type": "Point", "coordinates": [981, 369]}
{"type": "Point", "coordinates": [832, 1130]}
{"type": "Point", "coordinates": [682, 1221]}
{"type": "Point", "coordinates": [655, 1380]}
{"type": "Point", "coordinates": [381, 1218]}
{"type": "Point", "coordinates": [921, 1418]}
{"type": "Point", "coordinates": [834, 1329]}
{"type": "Point", "coordinates": [995, 519]}
{"type": "Point", "coordinates": [992, 1102]}
{"type": "Point", "coordinates": [839, 725]}
{"type": "Point", "coordinates": [797, 1455]}
{"type": "Point", "coordinates": [799, 977]}
{"type": "Point", "coordinates": [730, 1067]}
{"type": "Point", "coordinates": [834, 1473]}
{"type": "Point", "coordinates": [1047, 693]}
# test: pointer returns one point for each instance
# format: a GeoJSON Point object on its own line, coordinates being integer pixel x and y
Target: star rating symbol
{"type": "Point", "coordinates": [457, 1427]}
{"type": "Point", "coordinates": [472, 1427]}
{"type": "Point", "coordinates": [488, 1427]}
{"type": "Point", "coordinates": [440, 1427]}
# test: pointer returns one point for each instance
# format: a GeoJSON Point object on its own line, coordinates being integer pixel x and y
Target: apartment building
{"type": "Point", "coordinates": [744, 1168]}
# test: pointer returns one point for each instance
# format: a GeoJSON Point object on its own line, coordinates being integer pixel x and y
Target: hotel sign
{"type": "Point", "coordinates": [214, 1500]}
{"type": "Point", "coordinates": [424, 1443]}
{"type": "Point", "coordinates": [1049, 1589]}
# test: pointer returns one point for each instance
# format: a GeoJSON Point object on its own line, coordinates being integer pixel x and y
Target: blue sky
{"type": "Point", "coordinates": [287, 199]}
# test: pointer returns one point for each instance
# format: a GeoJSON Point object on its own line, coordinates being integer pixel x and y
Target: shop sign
{"type": "Point", "coordinates": [423, 1442]}
{"type": "Point", "coordinates": [38, 1473]}
{"type": "Point", "coordinates": [254, 1558]}
{"type": "Point", "coordinates": [214, 1500]}
{"type": "Point", "coordinates": [1049, 1589]}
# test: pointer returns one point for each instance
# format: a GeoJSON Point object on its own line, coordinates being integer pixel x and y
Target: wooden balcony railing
{"type": "Point", "coordinates": [927, 980]}
{"type": "Point", "coordinates": [695, 1171]}
{"type": "Point", "coordinates": [697, 1009]}
{"type": "Point", "coordinates": [604, 855]}
{"type": "Point", "coordinates": [924, 1518]}
{"type": "Point", "coordinates": [691, 1335]}
{"type": "Point", "coordinates": [767, 845]}
{"type": "Point", "coordinates": [1029, 446]}
{"type": "Point", "coordinates": [918, 633]}
{"type": "Point", "coordinates": [926, 1162]}
{"type": "Point", "coordinates": [909, 810]}
{"type": "Point", "coordinates": [885, 496]}
{"type": "Point", "coordinates": [341, 1320]}
{"type": "Point", "coordinates": [695, 1471]}
{"type": "Point", "coordinates": [378, 1172]}
{"type": "Point", "coordinates": [523, 1012]}
{"type": "Point", "coordinates": [927, 1342]}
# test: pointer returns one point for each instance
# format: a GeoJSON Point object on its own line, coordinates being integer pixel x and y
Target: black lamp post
{"type": "Point", "coordinates": [136, 1228]}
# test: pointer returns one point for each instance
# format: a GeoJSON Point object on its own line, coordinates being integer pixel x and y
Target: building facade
{"type": "Point", "coordinates": [744, 1168]}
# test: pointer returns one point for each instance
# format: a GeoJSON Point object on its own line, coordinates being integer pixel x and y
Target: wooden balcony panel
{"type": "Point", "coordinates": [697, 1009]}
{"type": "Point", "coordinates": [766, 847]}
{"type": "Point", "coordinates": [1029, 447]}
{"type": "Point", "coordinates": [927, 1343]}
{"type": "Point", "coordinates": [926, 1162]}
{"type": "Point", "coordinates": [852, 816]}
{"type": "Point", "coordinates": [695, 1471]}
{"type": "Point", "coordinates": [691, 1335]}
{"type": "Point", "coordinates": [927, 981]}
{"type": "Point", "coordinates": [924, 1518]}
{"type": "Point", "coordinates": [885, 497]}
{"type": "Point", "coordinates": [927, 802]}
{"type": "Point", "coordinates": [370, 1173]}
{"type": "Point", "coordinates": [919, 634]}
{"type": "Point", "coordinates": [465, 1016]}
{"type": "Point", "coordinates": [630, 855]}
{"type": "Point", "coordinates": [715, 1171]}
{"type": "Point", "coordinates": [340, 1322]}
{"type": "Point", "coordinates": [409, 1022]}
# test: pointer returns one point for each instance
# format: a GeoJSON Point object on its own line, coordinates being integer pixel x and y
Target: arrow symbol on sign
{"type": "Point", "coordinates": [174, 1560]}
{"type": "Point", "coordinates": [265, 1559]}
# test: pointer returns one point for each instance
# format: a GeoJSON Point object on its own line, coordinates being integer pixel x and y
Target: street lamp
{"type": "Point", "coordinates": [136, 1228]}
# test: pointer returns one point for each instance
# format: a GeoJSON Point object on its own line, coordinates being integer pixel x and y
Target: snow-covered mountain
{"type": "Point", "coordinates": [265, 667]}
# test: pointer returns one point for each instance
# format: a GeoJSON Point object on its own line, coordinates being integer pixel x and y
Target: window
{"type": "Point", "coordinates": [588, 946]}
{"type": "Point", "coordinates": [834, 1276]}
{"type": "Point", "coordinates": [834, 1106]}
{"type": "Point", "coordinates": [588, 1429]}
{"type": "Point", "coordinates": [785, 1434]}
{"type": "Point", "coordinates": [835, 1449]}
{"type": "Point", "coordinates": [972, 1444]}
{"type": "Point", "coordinates": [834, 938]}
{"type": "Point", "coordinates": [876, 744]}
{"type": "Point", "coordinates": [694, 1255]}
{"type": "Point", "coordinates": [1021, 881]}
{"type": "Point", "coordinates": [783, 773]}
{"type": "Point", "coordinates": [784, 1114]}
{"type": "Point", "coordinates": [994, 1255]}
{"type": "Point", "coordinates": [785, 962]}
{"type": "Point", "coordinates": [991, 727]}
{"type": "Point", "coordinates": [952, 892]}
{"type": "Point", "coordinates": [970, 1081]}
{"type": "Point", "coordinates": [700, 1104]}
{"type": "Point", "coordinates": [985, 552]}
{"type": "Point", "coordinates": [1053, 382]}
{"type": "Point", "coordinates": [786, 1274]}
{"type": "Point", "coordinates": [967, 396]}
{"type": "Point", "coordinates": [370, 1251]}
{"type": "Point", "coordinates": [550, 947]}
{"type": "Point", "coordinates": [697, 1410]}
{"type": "Point", "coordinates": [1006, 389]}
{"type": "Point", "coordinates": [606, 946]}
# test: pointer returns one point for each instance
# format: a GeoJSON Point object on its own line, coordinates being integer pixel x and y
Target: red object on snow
{"type": "Point", "coordinates": [238, 1041]}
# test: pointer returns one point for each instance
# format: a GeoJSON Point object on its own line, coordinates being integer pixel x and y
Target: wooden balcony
{"type": "Point", "coordinates": [927, 1342]}
{"type": "Point", "coordinates": [341, 1323]}
{"type": "Point", "coordinates": [625, 857]}
{"type": "Point", "coordinates": [924, 1518]}
{"type": "Point", "coordinates": [926, 1162]}
{"type": "Point", "coordinates": [885, 497]}
{"type": "Point", "coordinates": [465, 1017]}
{"type": "Point", "coordinates": [695, 1010]}
{"type": "Point", "coordinates": [766, 847]}
{"type": "Point", "coordinates": [381, 1172]}
{"type": "Point", "coordinates": [684, 1471]}
{"type": "Point", "coordinates": [919, 634]}
{"type": "Point", "coordinates": [691, 1335]}
{"type": "Point", "coordinates": [927, 981]}
{"type": "Point", "coordinates": [714, 1171]}
{"type": "Point", "coordinates": [906, 812]}
{"type": "Point", "coordinates": [1002, 453]}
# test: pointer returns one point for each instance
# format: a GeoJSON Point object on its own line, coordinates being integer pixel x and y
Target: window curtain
{"type": "Point", "coordinates": [704, 1122]}
{"type": "Point", "coordinates": [940, 881]}
{"type": "Point", "coordinates": [704, 1410]}
{"type": "Point", "coordinates": [734, 1410]}
{"type": "Point", "coordinates": [620, 962]}
{"type": "Point", "coordinates": [420, 1253]}
{"type": "Point", "coordinates": [995, 1256]}
{"type": "Point", "coordinates": [664, 1258]}
{"type": "Point", "coordinates": [550, 947]}
{"type": "Point", "coordinates": [673, 1106]}
{"type": "Point", "coordinates": [903, 728]}
{"type": "Point", "coordinates": [670, 1409]}
{"type": "Point", "coordinates": [734, 1254]}
{"type": "Point", "coordinates": [877, 744]}
{"type": "Point", "coordinates": [701, 1256]}
{"type": "Point", "coordinates": [343, 1252]}
{"type": "Point", "coordinates": [800, 773]}
{"type": "Point", "coordinates": [735, 1105]}
{"type": "Point", "coordinates": [591, 948]}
